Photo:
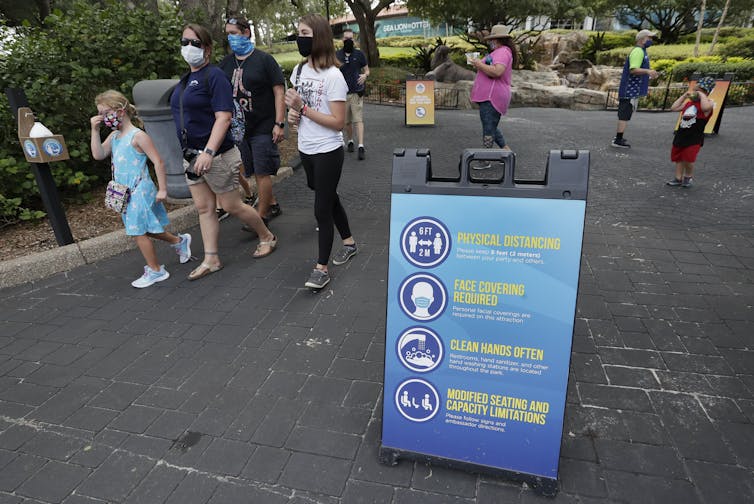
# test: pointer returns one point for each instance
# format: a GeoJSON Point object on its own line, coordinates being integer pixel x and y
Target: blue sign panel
{"type": "Point", "coordinates": [481, 304]}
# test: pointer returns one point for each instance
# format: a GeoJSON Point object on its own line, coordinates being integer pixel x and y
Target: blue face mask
{"type": "Point", "coordinates": [647, 43]}
{"type": "Point", "coordinates": [422, 302]}
{"type": "Point", "coordinates": [240, 45]}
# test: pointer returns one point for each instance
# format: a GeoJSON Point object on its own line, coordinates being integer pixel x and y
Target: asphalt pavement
{"type": "Point", "coordinates": [245, 386]}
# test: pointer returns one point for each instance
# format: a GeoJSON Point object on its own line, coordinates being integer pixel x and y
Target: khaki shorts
{"type": "Point", "coordinates": [354, 108]}
{"type": "Point", "coordinates": [223, 176]}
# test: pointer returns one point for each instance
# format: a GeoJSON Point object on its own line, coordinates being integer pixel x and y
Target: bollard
{"type": "Point", "coordinates": [482, 286]}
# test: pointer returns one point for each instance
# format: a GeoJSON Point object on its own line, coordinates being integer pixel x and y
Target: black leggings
{"type": "Point", "coordinates": [322, 176]}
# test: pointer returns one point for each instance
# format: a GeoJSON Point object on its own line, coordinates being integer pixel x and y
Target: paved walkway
{"type": "Point", "coordinates": [99, 382]}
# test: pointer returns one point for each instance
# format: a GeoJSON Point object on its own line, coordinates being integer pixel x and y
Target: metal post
{"type": "Point", "coordinates": [45, 181]}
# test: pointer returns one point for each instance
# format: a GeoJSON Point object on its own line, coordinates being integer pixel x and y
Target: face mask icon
{"type": "Point", "coordinates": [422, 296]}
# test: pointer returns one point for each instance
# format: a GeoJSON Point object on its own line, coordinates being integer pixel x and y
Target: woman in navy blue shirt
{"type": "Point", "coordinates": [202, 104]}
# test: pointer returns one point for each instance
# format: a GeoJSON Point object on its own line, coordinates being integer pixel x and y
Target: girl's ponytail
{"type": "Point", "coordinates": [131, 111]}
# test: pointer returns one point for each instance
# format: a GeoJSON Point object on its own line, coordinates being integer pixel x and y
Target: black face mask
{"type": "Point", "coordinates": [348, 45]}
{"type": "Point", "coordinates": [304, 45]}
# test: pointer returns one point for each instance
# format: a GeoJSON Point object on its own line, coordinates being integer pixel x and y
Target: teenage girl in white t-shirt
{"type": "Point", "coordinates": [317, 107]}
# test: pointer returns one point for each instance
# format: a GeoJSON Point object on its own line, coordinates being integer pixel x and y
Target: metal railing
{"type": "Point", "coordinates": [395, 94]}
{"type": "Point", "coordinates": [660, 98]}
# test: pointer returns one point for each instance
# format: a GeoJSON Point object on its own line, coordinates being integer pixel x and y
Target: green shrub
{"type": "Point", "coordinates": [62, 65]}
{"type": "Point", "coordinates": [741, 47]}
{"type": "Point", "coordinates": [743, 70]}
{"type": "Point", "coordinates": [726, 33]}
{"type": "Point", "coordinates": [616, 57]}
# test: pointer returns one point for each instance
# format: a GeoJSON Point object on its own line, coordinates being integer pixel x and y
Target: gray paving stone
{"type": "Point", "coordinates": [316, 473]}
{"type": "Point", "coordinates": [92, 455]}
{"type": "Point", "coordinates": [582, 477]}
{"type": "Point", "coordinates": [164, 398]}
{"type": "Point", "coordinates": [19, 470]}
{"type": "Point", "coordinates": [688, 425]}
{"type": "Point", "coordinates": [116, 477]}
{"type": "Point", "coordinates": [722, 484]}
{"type": "Point", "coordinates": [266, 464]}
{"type": "Point", "coordinates": [225, 457]}
{"type": "Point", "coordinates": [278, 424]}
{"type": "Point", "coordinates": [53, 482]}
{"type": "Point", "coordinates": [350, 369]}
{"type": "Point", "coordinates": [118, 396]}
{"type": "Point", "coordinates": [250, 418]}
{"type": "Point", "coordinates": [639, 458]}
{"type": "Point", "coordinates": [283, 383]}
{"type": "Point", "coordinates": [697, 363]}
{"type": "Point", "coordinates": [363, 394]}
{"type": "Point", "coordinates": [649, 489]}
{"type": "Point", "coordinates": [740, 437]}
{"type": "Point", "coordinates": [434, 479]}
{"type": "Point", "coordinates": [170, 424]}
{"type": "Point", "coordinates": [157, 485]}
{"type": "Point", "coordinates": [405, 496]}
{"type": "Point", "coordinates": [135, 419]}
{"type": "Point", "coordinates": [323, 442]}
{"type": "Point", "coordinates": [195, 488]}
{"type": "Point", "coordinates": [361, 492]}
{"type": "Point", "coordinates": [684, 382]}
{"type": "Point", "coordinates": [148, 446]}
{"type": "Point", "coordinates": [15, 436]}
{"type": "Point", "coordinates": [231, 492]}
{"type": "Point", "coordinates": [630, 357]}
{"type": "Point", "coordinates": [309, 358]}
{"type": "Point", "coordinates": [588, 368]}
{"type": "Point", "coordinates": [322, 390]}
{"type": "Point", "coordinates": [614, 397]}
{"type": "Point", "coordinates": [27, 393]}
{"type": "Point", "coordinates": [341, 419]}
{"type": "Point", "coordinates": [52, 445]}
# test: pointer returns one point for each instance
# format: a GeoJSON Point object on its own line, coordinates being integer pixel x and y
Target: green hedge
{"type": "Point", "coordinates": [616, 57]}
{"type": "Point", "coordinates": [742, 47]}
{"type": "Point", "coordinates": [726, 34]}
{"type": "Point", "coordinates": [62, 66]}
{"type": "Point", "coordinates": [744, 70]}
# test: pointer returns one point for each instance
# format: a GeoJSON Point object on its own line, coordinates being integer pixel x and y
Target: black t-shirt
{"type": "Point", "coordinates": [206, 91]}
{"type": "Point", "coordinates": [253, 91]}
{"type": "Point", "coordinates": [351, 68]}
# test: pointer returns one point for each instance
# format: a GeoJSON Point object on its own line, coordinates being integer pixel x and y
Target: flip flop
{"type": "Point", "coordinates": [203, 270]}
{"type": "Point", "coordinates": [271, 244]}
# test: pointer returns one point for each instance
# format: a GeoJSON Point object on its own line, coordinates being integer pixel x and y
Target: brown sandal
{"type": "Point", "coordinates": [271, 245]}
{"type": "Point", "coordinates": [203, 270]}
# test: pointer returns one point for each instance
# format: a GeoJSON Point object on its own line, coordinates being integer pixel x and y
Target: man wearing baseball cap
{"type": "Point", "coordinates": [633, 83]}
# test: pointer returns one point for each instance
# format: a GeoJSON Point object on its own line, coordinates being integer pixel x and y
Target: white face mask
{"type": "Point", "coordinates": [194, 56]}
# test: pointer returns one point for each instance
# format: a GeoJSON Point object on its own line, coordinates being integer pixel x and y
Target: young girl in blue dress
{"type": "Point", "coordinates": [145, 216]}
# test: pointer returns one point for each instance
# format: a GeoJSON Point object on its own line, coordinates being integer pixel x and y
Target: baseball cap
{"type": "Point", "coordinates": [645, 33]}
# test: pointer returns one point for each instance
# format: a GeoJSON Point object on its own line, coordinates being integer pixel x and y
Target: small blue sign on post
{"type": "Point", "coordinates": [482, 288]}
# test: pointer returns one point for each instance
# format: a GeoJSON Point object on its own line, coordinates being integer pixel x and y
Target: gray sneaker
{"type": "Point", "coordinates": [674, 182]}
{"type": "Point", "coordinates": [687, 182]}
{"type": "Point", "coordinates": [318, 279]}
{"type": "Point", "coordinates": [343, 255]}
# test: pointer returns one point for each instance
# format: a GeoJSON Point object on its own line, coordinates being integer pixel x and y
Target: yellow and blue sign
{"type": "Point", "coordinates": [481, 304]}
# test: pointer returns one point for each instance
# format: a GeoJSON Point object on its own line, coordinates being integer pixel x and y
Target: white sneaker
{"type": "Point", "coordinates": [183, 248]}
{"type": "Point", "coordinates": [151, 277]}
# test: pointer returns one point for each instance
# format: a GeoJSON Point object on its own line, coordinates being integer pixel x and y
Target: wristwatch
{"type": "Point", "coordinates": [280, 125]}
{"type": "Point", "coordinates": [209, 151]}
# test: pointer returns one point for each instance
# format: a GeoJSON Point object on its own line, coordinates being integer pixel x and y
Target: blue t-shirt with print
{"type": "Point", "coordinates": [207, 91]}
{"type": "Point", "coordinates": [351, 65]}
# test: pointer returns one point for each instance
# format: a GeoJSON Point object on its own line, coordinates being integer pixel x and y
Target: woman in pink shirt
{"type": "Point", "coordinates": [492, 86]}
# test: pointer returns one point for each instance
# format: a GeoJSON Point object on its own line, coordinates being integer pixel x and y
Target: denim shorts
{"type": "Point", "coordinates": [260, 155]}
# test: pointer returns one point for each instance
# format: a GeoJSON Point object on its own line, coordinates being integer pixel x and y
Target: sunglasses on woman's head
{"type": "Point", "coordinates": [193, 42]}
{"type": "Point", "coordinates": [234, 21]}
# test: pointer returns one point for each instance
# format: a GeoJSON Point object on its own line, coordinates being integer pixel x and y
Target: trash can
{"type": "Point", "coordinates": [152, 101]}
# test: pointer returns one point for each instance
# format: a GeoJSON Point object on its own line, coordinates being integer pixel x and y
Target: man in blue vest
{"type": "Point", "coordinates": [633, 83]}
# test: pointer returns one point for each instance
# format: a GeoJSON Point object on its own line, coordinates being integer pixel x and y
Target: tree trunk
{"type": "Point", "coordinates": [699, 28]}
{"type": "Point", "coordinates": [366, 15]}
{"type": "Point", "coordinates": [44, 9]}
{"type": "Point", "coordinates": [719, 25]}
